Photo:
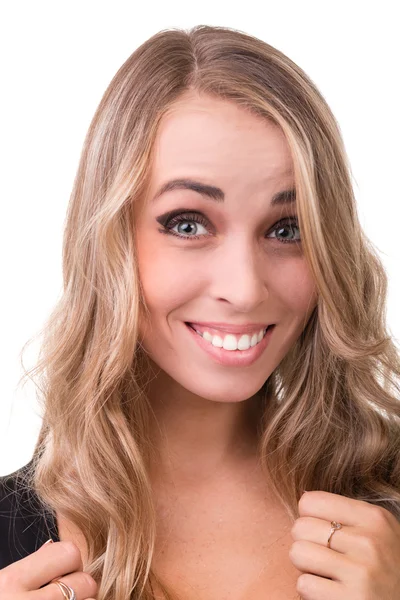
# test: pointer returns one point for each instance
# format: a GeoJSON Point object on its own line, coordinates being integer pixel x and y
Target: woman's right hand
{"type": "Point", "coordinates": [23, 579]}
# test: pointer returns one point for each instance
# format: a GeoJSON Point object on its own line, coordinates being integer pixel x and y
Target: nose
{"type": "Point", "coordinates": [238, 275]}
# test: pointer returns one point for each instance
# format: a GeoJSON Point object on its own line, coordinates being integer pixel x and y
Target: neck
{"type": "Point", "coordinates": [195, 438]}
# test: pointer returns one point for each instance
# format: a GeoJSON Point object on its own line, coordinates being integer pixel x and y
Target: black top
{"type": "Point", "coordinates": [25, 524]}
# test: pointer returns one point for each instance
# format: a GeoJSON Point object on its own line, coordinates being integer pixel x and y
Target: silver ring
{"type": "Point", "coordinates": [67, 591]}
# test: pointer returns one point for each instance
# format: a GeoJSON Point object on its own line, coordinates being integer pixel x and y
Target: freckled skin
{"type": "Point", "coordinates": [220, 532]}
{"type": "Point", "coordinates": [235, 274]}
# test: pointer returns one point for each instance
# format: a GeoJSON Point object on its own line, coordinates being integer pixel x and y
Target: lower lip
{"type": "Point", "coordinates": [233, 358]}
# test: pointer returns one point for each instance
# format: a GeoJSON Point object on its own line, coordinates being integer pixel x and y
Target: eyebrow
{"type": "Point", "coordinates": [216, 194]}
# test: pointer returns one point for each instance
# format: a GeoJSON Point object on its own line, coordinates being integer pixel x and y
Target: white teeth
{"type": "Point", "coordinates": [231, 342]}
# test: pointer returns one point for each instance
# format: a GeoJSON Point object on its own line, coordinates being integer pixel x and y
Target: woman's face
{"type": "Point", "coordinates": [226, 260]}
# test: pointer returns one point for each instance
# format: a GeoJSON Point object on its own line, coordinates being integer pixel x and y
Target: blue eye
{"type": "Point", "coordinates": [175, 218]}
{"type": "Point", "coordinates": [191, 226]}
{"type": "Point", "coordinates": [169, 222]}
{"type": "Point", "coordinates": [290, 223]}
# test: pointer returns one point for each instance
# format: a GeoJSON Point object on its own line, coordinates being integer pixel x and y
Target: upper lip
{"type": "Point", "coordinates": [230, 328]}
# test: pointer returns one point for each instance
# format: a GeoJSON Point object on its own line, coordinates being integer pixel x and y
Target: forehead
{"type": "Point", "coordinates": [220, 140]}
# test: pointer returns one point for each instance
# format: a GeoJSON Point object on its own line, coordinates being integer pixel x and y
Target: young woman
{"type": "Point", "coordinates": [220, 349]}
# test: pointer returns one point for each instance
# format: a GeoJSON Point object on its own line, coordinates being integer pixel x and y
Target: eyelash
{"type": "Point", "coordinates": [198, 218]}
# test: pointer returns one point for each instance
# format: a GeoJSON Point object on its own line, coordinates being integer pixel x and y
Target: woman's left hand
{"type": "Point", "coordinates": [363, 562]}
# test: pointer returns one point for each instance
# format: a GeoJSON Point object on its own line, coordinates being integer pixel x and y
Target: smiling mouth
{"type": "Point", "coordinates": [230, 341]}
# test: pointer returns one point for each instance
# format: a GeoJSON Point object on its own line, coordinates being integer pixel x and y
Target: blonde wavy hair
{"type": "Point", "coordinates": [329, 415]}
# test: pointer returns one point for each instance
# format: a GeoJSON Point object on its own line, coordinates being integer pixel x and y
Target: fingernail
{"type": "Point", "coordinates": [50, 541]}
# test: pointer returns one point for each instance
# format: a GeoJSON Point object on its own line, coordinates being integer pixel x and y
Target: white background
{"type": "Point", "coordinates": [57, 58]}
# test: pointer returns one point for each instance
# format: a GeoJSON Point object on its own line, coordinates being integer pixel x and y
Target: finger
{"type": "Point", "coordinates": [82, 583]}
{"type": "Point", "coordinates": [348, 511]}
{"type": "Point", "coordinates": [318, 531]}
{"type": "Point", "coordinates": [312, 587]}
{"type": "Point", "coordinates": [40, 567]}
{"type": "Point", "coordinates": [313, 558]}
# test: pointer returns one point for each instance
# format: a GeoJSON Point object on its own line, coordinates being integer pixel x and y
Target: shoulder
{"type": "Point", "coordinates": [24, 526]}
{"type": "Point", "coordinates": [11, 493]}
{"type": "Point", "coordinates": [14, 491]}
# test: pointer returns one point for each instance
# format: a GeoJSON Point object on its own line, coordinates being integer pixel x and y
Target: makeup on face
{"type": "Point", "coordinates": [219, 243]}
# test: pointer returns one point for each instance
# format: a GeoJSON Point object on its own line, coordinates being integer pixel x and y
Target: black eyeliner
{"type": "Point", "coordinates": [180, 215]}
{"type": "Point", "coordinates": [163, 219]}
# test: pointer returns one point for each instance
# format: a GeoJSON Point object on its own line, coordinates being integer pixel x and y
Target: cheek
{"type": "Point", "coordinates": [166, 279]}
{"type": "Point", "coordinates": [295, 288]}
